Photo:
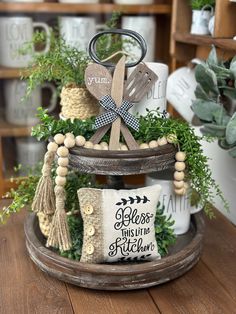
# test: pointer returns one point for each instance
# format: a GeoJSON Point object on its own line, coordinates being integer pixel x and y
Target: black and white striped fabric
{"type": "Point", "coordinates": [112, 113]}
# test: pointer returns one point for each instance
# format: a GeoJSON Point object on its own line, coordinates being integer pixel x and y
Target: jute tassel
{"type": "Point", "coordinates": [59, 235]}
{"type": "Point", "coordinates": [44, 199]}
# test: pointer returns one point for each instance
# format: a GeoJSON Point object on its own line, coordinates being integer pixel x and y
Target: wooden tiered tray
{"type": "Point", "coordinates": [182, 257]}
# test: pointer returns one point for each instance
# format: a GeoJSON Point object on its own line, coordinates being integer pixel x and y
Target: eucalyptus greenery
{"type": "Point", "coordinates": [151, 126]}
{"type": "Point", "coordinates": [199, 4]}
{"type": "Point", "coordinates": [215, 99]}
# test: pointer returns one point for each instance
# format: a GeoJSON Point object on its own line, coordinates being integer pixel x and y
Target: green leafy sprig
{"type": "Point", "coordinates": [164, 231]}
{"type": "Point", "coordinates": [62, 64]}
{"type": "Point", "coordinates": [199, 4]}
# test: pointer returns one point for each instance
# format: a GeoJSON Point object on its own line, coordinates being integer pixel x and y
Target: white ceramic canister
{"type": "Point", "coordinates": [175, 205]}
{"type": "Point", "coordinates": [156, 97]}
{"type": "Point", "coordinates": [146, 27]}
{"type": "Point", "coordinates": [22, 111]}
{"type": "Point", "coordinates": [29, 153]}
{"type": "Point", "coordinates": [77, 31]}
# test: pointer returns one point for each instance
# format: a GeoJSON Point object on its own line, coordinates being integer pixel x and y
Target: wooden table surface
{"type": "Point", "coordinates": [210, 287]}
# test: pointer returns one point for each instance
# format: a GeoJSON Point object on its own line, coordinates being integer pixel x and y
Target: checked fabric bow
{"type": "Point", "coordinates": [113, 112]}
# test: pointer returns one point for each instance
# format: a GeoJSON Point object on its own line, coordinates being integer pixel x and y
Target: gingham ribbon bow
{"type": "Point", "coordinates": [112, 113]}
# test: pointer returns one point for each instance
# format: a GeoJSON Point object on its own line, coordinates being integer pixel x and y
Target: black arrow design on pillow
{"type": "Point", "coordinates": [132, 200]}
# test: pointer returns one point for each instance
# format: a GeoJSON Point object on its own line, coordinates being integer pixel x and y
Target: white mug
{"type": "Point", "coordinates": [181, 86]}
{"type": "Point", "coordinates": [15, 33]}
{"type": "Point", "coordinates": [134, 1]}
{"type": "Point", "coordinates": [77, 31]}
{"type": "Point", "coordinates": [20, 110]}
{"type": "Point", "coordinates": [29, 153]}
{"type": "Point", "coordinates": [175, 205]}
{"type": "Point", "coordinates": [145, 26]}
{"type": "Point", "coordinates": [156, 97]}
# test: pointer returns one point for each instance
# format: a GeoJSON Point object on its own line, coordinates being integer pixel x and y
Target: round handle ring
{"type": "Point", "coordinates": [127, 32]}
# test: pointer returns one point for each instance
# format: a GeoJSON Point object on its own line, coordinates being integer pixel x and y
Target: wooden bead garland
{"type": "Point", "coordinates": [162, 141]}
{"type": "Point", "coordinates": [180, 186]}
{"type": "Point", "coordinates": [52, 147]}
{"type": "Point", "coordinates": [69, 142]}
{"type": "Point", "coordinates": [153, 144]}
{"type": "Point", "coordinates": [63, 161]}
{"type": "Point", "coordinates": [62, 151]}
{"type": "Point", "coordinates": [59, 138]}
{"type": "Point", "coordinates": [61, 181]}
{"type": "Point", "coordinates": [143, 146]}
{"type": "Point", "coordinates": [61, 171]}
{"type": "Point", "coordinates": [80, 140]}
{"type": "Point", "coordinates": [69, 134]}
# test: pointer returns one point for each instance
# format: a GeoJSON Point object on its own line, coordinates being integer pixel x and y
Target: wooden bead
{"type": "Point", "coordinates": [153, 144]}
{"type": "Point", "coordinates": [97, 146]}
{"type": "Point", "coordinates": [59, 138]}
{"type": "Point", "coordinates": [172, 138]}
{"type": "Point", "coordinates": [52, 147]}
{"type": "Point", "coordinates": [88, 144]}
{"type": "Point", "coordinates": [69, 142]}
{"type": "Point", "coordinates": [186, 185]}
{"type": "Point", "coordinates": [143, 146]}
{"type": "Point", "coordinates": [178, 184]}
{"type": "Point", "coordinates": [62, 151]}
{"type": "Point", "coordinates": [123, 147]}
{"type": "Point", "coordinates": [180, 156]}
{"type": "Point", "coordinates": [80, 140]}
{"type": "Point", "coordinates": [61, 181]}
{"type": "Point", "coordinates": [63, 161]}
{"type": "Point", "coordinates": [178, 175]}
{"type": "Point", "coordinates": [70, 135]}
{"type": "Point", "coordinates": [104, 145]}
{"type": "Point", "coordinates": [162, 141]}
{"type": "Point", "coordinates": [61, 171]}
{"type": "Point", "coordinates": [180, 166]}
{"type": "Point", "coordinates": [180, 191]}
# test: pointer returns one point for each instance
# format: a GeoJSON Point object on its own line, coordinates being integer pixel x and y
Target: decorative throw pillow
{"type": "Point", "coordinates": [119, 224]}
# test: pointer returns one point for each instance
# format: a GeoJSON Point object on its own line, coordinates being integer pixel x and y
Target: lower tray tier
{"type": "Point", "coordinates": [181, 258]}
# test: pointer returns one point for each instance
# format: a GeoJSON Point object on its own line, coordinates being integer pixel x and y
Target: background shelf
{"type": "Point", "coordinates": [45, 7]}
{"type": "Point", "coordinates": [8, 130]}
{"type": "Point", "coordinates": [223, 43]}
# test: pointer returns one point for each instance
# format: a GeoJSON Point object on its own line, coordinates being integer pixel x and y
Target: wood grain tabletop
{"type": "Point", "coordinates": [210, 287]}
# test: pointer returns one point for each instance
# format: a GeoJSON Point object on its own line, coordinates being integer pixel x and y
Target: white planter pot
{"type": "Point", "coordinates": [200, 21]}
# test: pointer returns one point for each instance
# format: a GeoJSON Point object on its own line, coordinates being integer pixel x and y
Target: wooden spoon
{"type": "Point", "coordinates": [98, 81]}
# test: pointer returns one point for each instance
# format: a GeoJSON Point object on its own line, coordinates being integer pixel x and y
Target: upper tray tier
{"type": "Point", "coordinates": [122, 162]}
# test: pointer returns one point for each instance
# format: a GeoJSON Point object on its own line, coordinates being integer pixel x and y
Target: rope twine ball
{"type": "Point", "coordinates": [77, 102]}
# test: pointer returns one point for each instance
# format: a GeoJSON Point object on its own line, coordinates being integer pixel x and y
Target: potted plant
{"type": "Point", "coordinates": [215, 103]}
{"type": "Point", "coordinates": [202, 12]}
{"type": "Point", "coordinates": [65, 66]}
